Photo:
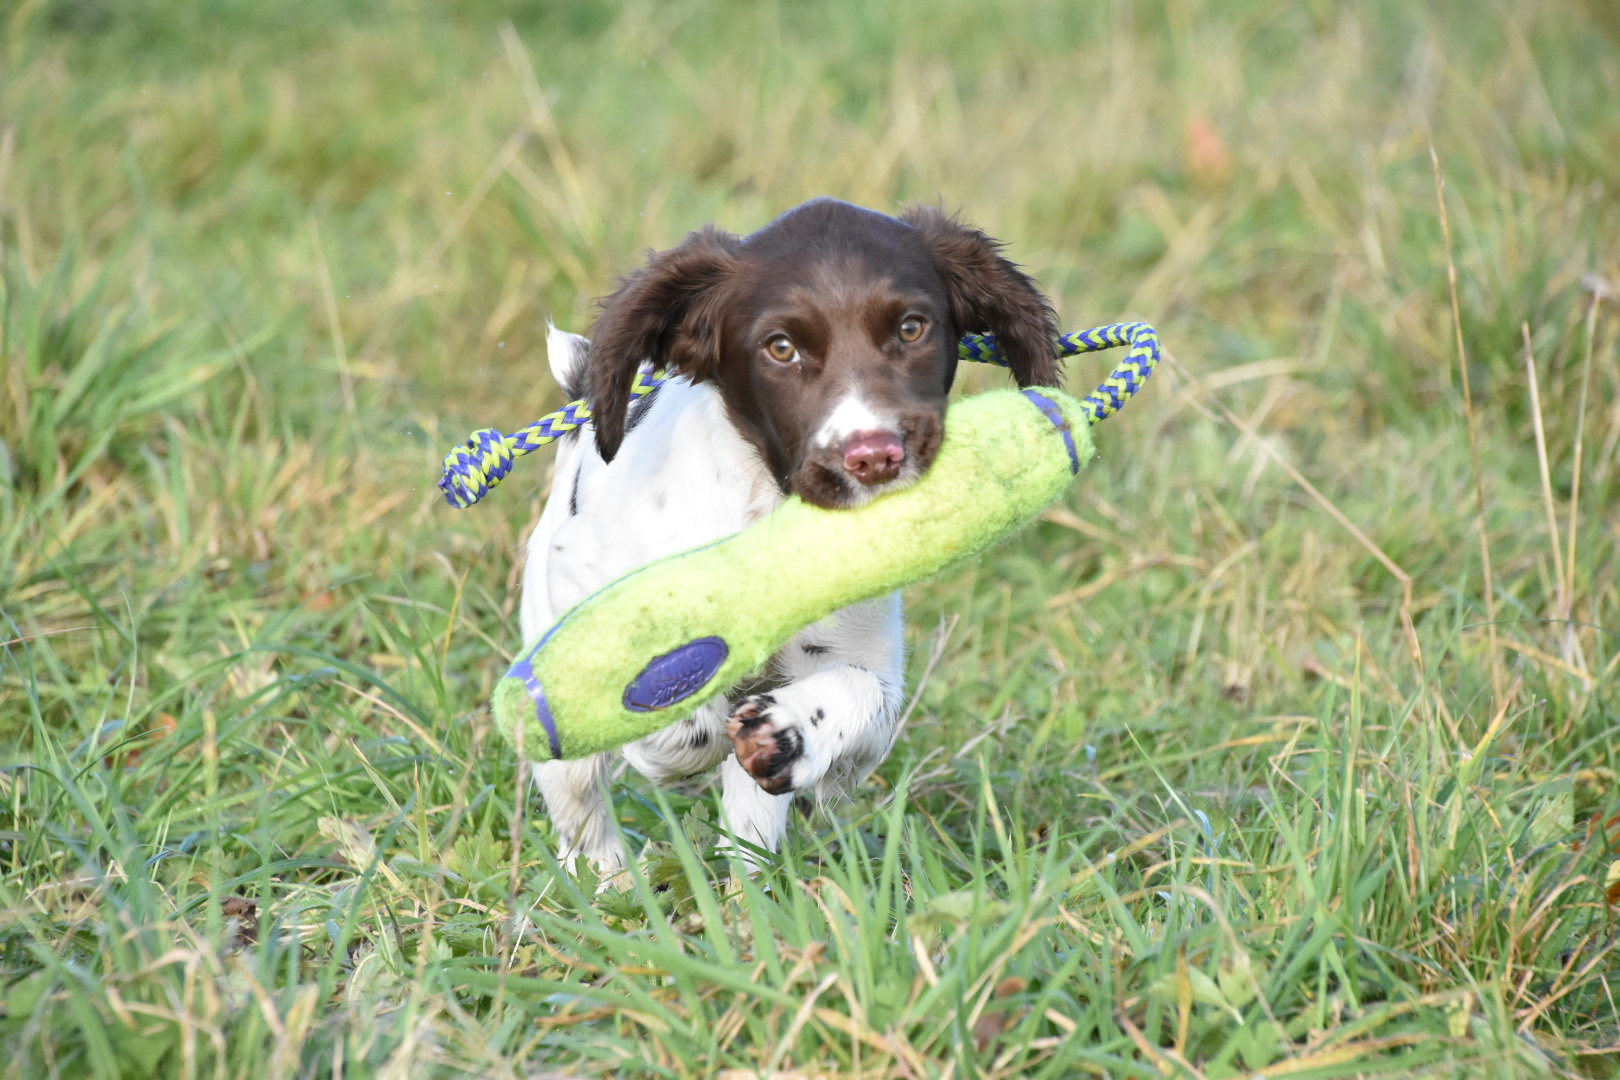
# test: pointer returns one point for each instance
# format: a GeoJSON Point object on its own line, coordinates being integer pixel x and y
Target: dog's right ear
{"type": "Point", "coordinates": [668, 312]}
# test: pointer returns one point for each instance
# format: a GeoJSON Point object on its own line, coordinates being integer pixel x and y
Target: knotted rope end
{"type": "Point", "coordinates": [476, 466]}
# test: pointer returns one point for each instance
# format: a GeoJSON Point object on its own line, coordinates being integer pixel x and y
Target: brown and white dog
{"type": "Point", "coordinates": [812, 357]}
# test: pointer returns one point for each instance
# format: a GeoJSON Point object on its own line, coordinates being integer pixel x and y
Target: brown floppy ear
{"type": "Point", "coordinates": [667, 312]}
{"type": "Point", "coordinates": [986, 292]}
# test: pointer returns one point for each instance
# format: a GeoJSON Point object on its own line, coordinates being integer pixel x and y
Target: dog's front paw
{"type": "Point", "coordinates": [769, 744]}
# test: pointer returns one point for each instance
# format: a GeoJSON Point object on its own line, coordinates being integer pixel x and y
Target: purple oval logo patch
{"type": "Point", "coordinates": [676, 675]}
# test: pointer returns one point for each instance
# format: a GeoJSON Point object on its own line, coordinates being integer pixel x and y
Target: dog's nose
{"type": "Point", "coordinates": [874, 457]}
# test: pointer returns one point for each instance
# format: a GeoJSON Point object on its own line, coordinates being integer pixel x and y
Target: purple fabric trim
{"type": "Point", "coordinates": [1051, 411]}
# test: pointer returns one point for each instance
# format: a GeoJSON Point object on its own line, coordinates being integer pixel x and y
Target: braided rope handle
{"type": "Point", "coordinates": [482, 462]}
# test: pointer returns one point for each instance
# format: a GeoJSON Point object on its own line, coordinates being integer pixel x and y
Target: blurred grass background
{"type": "Point", "coordinates": [1288, 745]}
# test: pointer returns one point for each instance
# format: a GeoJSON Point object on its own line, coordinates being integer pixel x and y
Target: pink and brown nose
{"type": "Point", "coordinates": [873, 457]}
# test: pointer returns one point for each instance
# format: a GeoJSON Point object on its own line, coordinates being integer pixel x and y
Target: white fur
{"type": "Point", "coordinates": [685, 477]}
{"type": "Point", "coordinates": [850, 416]}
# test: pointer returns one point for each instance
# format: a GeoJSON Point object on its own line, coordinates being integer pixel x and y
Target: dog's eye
{"type": "Point", "coordinates": [912, 329]}
{"type": "Point", "coordinates": [781, 349]}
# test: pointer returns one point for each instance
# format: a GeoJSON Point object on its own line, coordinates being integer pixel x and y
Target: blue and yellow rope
{"type": "Point", "coordinates": [482, 462]}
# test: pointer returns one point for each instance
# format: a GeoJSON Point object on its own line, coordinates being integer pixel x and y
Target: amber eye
{"type": "Point", "coordinates": [912, 328]}
{"type": "Point", "coordinates": [781, 349]}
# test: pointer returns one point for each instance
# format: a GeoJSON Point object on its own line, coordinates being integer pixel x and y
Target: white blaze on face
{"type": "Point", "coordinates": [850, 416]}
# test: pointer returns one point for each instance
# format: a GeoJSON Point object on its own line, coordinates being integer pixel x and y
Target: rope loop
{"type": "Point", "coordinates": [472, 469]}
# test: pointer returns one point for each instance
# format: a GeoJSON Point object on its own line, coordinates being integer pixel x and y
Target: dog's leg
{"type": "Point", "coordinates": [751, 813]}
{"type": "Point", "coordinates": [694, 745]}
{"type": "Point", "coordinates": [576, 795]}
{"type": "Point", "coordinates": [836, 717]}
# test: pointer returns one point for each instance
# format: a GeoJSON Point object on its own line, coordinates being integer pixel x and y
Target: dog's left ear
{"type": "Point", "coordinates": [986, 292]}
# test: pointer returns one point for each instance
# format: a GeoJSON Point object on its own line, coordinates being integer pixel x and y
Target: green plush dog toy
{"type": "Point", "coordinates": [690, 626]}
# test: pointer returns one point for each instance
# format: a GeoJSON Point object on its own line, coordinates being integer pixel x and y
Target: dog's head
{"type": "Point", "coordinates": [831, 335]}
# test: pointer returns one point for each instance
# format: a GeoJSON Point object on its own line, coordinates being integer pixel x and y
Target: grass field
{"type": "Point", "coordinates": [1287, 746]}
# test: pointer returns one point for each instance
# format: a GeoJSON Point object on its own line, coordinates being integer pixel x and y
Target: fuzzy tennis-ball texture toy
{"type": "Point", "coordinates": [689, 626]}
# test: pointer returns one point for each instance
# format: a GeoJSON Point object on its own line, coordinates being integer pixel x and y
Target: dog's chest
{"type": "Point", "coordinates": [683, 478]}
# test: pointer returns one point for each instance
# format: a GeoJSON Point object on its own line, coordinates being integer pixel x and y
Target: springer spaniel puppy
{"type": "Point", "coordinates": [812, 357]}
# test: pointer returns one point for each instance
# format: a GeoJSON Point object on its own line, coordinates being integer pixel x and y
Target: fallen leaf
{"type": "Point", "coordinates": [158, 728]}
{"type": "Point", "coordinates": [991, 1024]}
{"type": "Point", "coordinates": [1208, 163]}
{"type": "Point", "coordinates": [245, 913]}
{"type": "Point", "coordinates": [356, 845]}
